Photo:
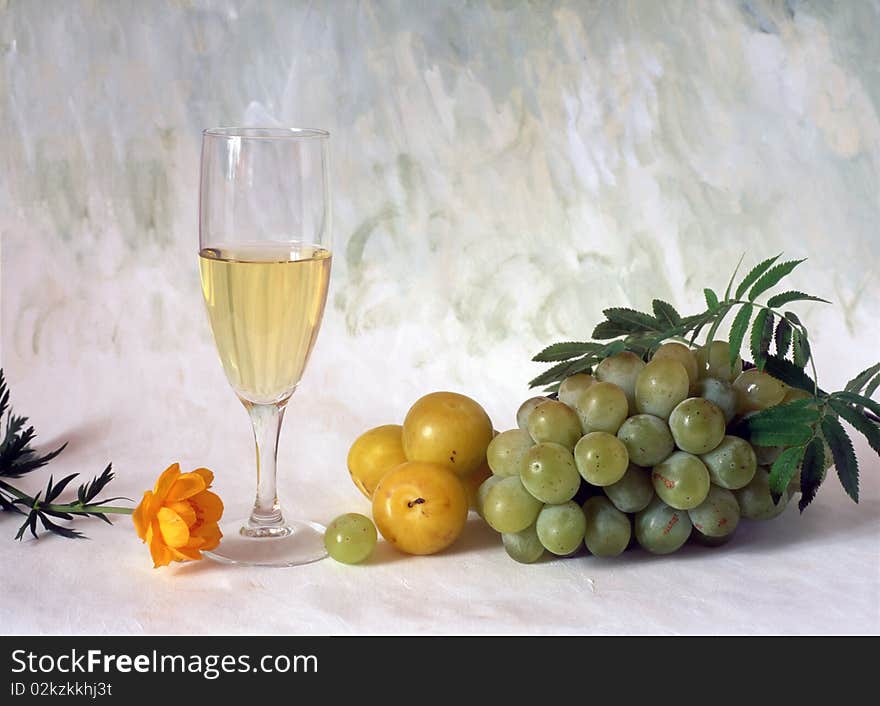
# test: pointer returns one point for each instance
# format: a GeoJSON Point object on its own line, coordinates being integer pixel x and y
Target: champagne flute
{"type": "Point", "coordinates": [264, 258]}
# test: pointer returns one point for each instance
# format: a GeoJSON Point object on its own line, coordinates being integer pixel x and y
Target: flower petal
{"type": "Point", "coordinates": [209, 506]}
{"type": "Point", "coordinates": [174, 530]}
{"type": "Point", "coordinates": [166, 480]}
{"type": "Point", "coordinates": [161, 554]}
{"type": "Point", "coordinates": [186, 554]}
{"type": "Point", "coordinates": [185, 509]}
{"type": "Point", "coordinates": [211, 534]}
{"type": "Point", "coordinates": [141, 516]}
{"type": "Point", "coordinates": [185, 487]}
{"type": "Point", "coordinates": [206, 474]}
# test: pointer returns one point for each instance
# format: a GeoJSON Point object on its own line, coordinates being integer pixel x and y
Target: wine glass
{"type": "Point", "coordinates": [264, 259]}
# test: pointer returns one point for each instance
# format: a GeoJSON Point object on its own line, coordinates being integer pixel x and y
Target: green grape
{"type": "Point", "coordinates": [717, 515]}
{"type": "Point", "coordinates": [720, 393]}
{"type": "Point", "coordinates": [681, 353]}
{"type": "Point", "coordinates": [681, 481]}
{"type": "Point", "coordinates": [602, 407]}
{"type": "Point", "coordinates": [525, 409]}
{"type": "Point", "coordinates": [555, 421]}
{"type": "Point", "coordinates": [549, 474]}
{"type": "Point", "coordinates": [506, 450]}
{"type": "Point", "coordinates": [573, 386]}
{"type": "Point", "coordinates": [732, 463]}
{"type": "Point", "coordinates": [661, 529]}
{"type": "Point", "coordinates": [633, 492]}
{"type": "Point", "coordinates": [647, 439]}
{"type": "Point", "coordinates": [766, 455]}
{"type": "Point", "coordinates": [509, 507]}
{"type": "Point", "coordinates": [697, 425]}
{"type": "Point", "coordinates": [483, 491]}
{"type": "Point", "coordinates": [714, 362]}
{"type": "Point", "coordinates": [601, 458]}
{"type": "Point", "coordinates": [608, 530]}
{"type": "Point", "coordinates": [524, 547]}
{"type": "Point", "coordinates": [622, 369]}
{"type": "Point", "coordinates": [660, 386]}
{"type": "Point", "coordinates": [756, 390]}
{"type": "Point", "coordinates": [561, 528]}
{"type": "Point", "coordinates": [350, 538]}
{"type": "Point", "coordinates": [755, 501]}
{"type": "Point", "coordinates": [793, 394]}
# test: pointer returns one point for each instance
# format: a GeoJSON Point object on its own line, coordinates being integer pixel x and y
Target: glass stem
{"type": "Point", "coordinates": [266, 419]}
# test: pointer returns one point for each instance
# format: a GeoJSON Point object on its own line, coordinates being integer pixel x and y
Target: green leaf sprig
{"type": "Point", "coordinates": [808, 428]}
{"type": "Point", "coordinates": [18, 458]}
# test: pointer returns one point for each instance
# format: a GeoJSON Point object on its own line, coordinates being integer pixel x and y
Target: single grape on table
{"type": "Point", "coordinates": [350, 538]}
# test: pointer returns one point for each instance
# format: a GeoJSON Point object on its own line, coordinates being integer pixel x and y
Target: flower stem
{"type": "Point", "coordinates": [70, 507]}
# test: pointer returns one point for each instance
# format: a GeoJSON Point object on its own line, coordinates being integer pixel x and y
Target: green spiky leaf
{"type": "Point", "coordinates": [665, 313]}
{"type": "Point", "coordinates": [859, 422]}
{"type": "Point", "coordinates": [635, 321]}
{"type": "Point", "coordinates": [845, 461]}
{"type": "Point", "coordinates": [738, 331]}
{"type": "Point", "coordinates": [784, 469]}
{"type": "Point", "coordinates": [771, 278]}
{"type": "Point", "coordinates": [812, 472]}
{"type": "Point", "coordinates": [711, 299]}
{"type": "Point", "coordinates": [860, 380]}
{"type": "Point", "coordinates": [784, 298]}
{"type": "Point", "coordinates": [565, 351]}
{"type": "Point", "coordinates": [754, 274]}
{"type": "Point", "coordinates": [783, 337]}
{"type": "Point", "coordinates": [762, 333]}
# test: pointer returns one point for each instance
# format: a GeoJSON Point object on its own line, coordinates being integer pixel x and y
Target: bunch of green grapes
{"type": "Point", "coordinates": [639, 451]}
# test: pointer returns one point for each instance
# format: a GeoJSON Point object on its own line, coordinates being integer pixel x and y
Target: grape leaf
{"type": "Point", "coordinates": [738, 331]}
{"type": "Point", "coordinates": [783, 337]}
{"type": "Point", "coordinates": [562, 370]}
{"type": "Point", "coordinates": [783, 298]}
{"type": "Point", "coordinates": [609, 329]}
{"type": "Point", "coordinates": [733, 276]}
{"type": "Point", "coordinates": [844, 457]}
{"type": "Point", "coordinates": [635, 320]}
{"type": "Point", "coordinates": [859, 422]}
{"type": "Point", "coordinates": [711, 298]}
{"type": "Point", "coordinates": [872, 386]}
{"type": "Point", "coordinates": [753, 275]}
{"type": "Point", "coordinates": [800, 349]}
{"type": "Point", "coordinates": [860, 380]}
{"type": "Point", "coordinates": [771, 278]}
{"type": "Point", "coordinates": [798, 412]}
{"type": "Point", "coordinates": [666, 313]}
{"type": "Point", "coordinates": [859, 401]}
{"type": "Point", "coordinates": [783, 470]}
{"type": "Point", "coordinates": [812, 471]}
{"type": "Point", "coordinates": [565, 350]}
{"type": "Point", "coordinates": [790, 374]}
{"type": "Point", "coordinates": [762, 332]}
{"type": "Point", "coordinates": [785, 435]}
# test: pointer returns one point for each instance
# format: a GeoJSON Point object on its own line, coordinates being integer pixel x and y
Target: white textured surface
{"type": "Point", "coordinates": [503, 171]}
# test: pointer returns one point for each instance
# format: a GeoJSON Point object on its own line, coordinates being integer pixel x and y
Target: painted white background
{"type": "Point", "coordinates": [502, 172]}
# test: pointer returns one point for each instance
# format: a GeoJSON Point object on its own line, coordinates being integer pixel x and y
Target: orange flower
{"type": "Point", "coordinates": [178, 519]}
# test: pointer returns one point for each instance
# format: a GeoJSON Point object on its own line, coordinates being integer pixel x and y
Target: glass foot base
{"type": "Point", "coordinates": [297, 542]}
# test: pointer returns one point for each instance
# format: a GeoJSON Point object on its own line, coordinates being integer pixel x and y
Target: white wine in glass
{"type": "Point", "coordinates": [264, 260]}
